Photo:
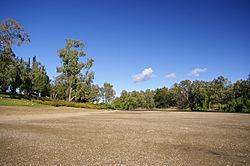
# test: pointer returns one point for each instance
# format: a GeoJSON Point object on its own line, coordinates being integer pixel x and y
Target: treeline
{"type": "Point", "coordinates": [28, 78]}
{"type": "Point", "coordinates": [75, 81]}
{"type": "Point", "coordinates": [219, 94]}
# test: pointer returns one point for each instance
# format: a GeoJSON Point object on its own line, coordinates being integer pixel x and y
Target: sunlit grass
{"type": "Point", "coordinates": [18, 102]}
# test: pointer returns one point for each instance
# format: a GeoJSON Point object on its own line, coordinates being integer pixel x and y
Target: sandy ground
{"type": "Point", "coordinates": [66, 136]}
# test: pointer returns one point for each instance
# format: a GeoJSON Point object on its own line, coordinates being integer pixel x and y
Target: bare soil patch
{"type": "Point", "coordinates": [68, 136]}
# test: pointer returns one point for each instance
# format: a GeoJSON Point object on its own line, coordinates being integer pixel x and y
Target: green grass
{"type": "Point", "coordinates": [18, 102]}
{"type": "Point", "coordinates": [59, 103]}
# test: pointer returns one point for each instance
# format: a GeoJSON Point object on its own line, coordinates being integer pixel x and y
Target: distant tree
{"type": "Point", "coordinates": [94, 94]}
{"type": "Point", "coordinates": [26, 86]}
{"type": "Point", "coordinates": [130, 103]}
{"type": "Point", "coordinates": [124, 95]}
{"type": "Point", "coordinates": [198, 99]}
{"type": "Point", "coordinates": [109, 93]}
{"type": "Point", "coordinates": [149, 98]}
{"type": "Point", "coordinates": [87, 93]}
{"type": "Point", "coordinates": [126, 101]}
{"type": "Point", "coordinates": [182, 92]}
{"type": "Point", "coordinates": [71, 70]}
{"type": "Point", "coordinates": [15, 79]}
{"type": "Point", "coordinates": [240, 100]}
{"type": "Point", "coordinates": [40, 80]}
{"type": "Point", "coordinates": [161, 98]}
{"type": "Point", "coordinates": [137, 99]}
{"type": "Point", "coordinates": [58, 89]}
{"type": "Point", "coordinates": [102, 94]}
{"type": "Point", "coordinates": [218, 89]}
{"type": "Point", "coordinates": [117, 104]}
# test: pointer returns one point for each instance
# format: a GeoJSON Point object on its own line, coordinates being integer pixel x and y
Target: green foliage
{"type": "Point", "coordinates": [218, 94]}
{"type": "Point", "coordinates": [181, 93]}
{"type": "Point", "coordinates": [11, 33]}
{"type": "Point", "coordinates": [15, 79]}
{"type": "Point", "coordinates": [108, 93]}
{"type": "Point", "coordinates": [237, 105]}
{"type": "Point", "coordinates": [40, 80]}
{"type": "Point", "coordinates": [199, 100]}
{"type": "Point", "coordinates": [77, 85]}
{"type": "Point", "coordinates": [164, 98]}
{"type": "Point", "coordinates": [149, 99]}
{"type": "Point", "coordinates": [117, 104]}
{"type": "Point", "coordinates": [218, 90]}
{"type": "Point", "coordinates": [134, 100]}
{"type": "Point", "coordinates": [26, 86]}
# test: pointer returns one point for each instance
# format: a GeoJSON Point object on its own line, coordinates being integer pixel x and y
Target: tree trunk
{"type": "Point", "coordinates": [70, 91]}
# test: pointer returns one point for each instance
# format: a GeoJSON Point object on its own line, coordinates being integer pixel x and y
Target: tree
{"type": "Point", "coordinates": [26, 86]}
{"type": "Point", "coordinates": [94, 94]}
{"type": "Point", "coordinates": [76, 75]}
{"type": "Point", "coordinates": [109, 93]}
{"type": "Point", "coordinates": [117, 104]}
{"type": "Point", "coordinates": [149, 98]}
{"type": "Point", "coordinates": [11, 33]}
{"type": "Point", "coordinates": [182, 92]}
{"type": "Point", "coordinates": [40, 80]}
{"type": "Point", "coordinates": [58, 89]}
{"type": "Point", "coordinates": [198, 99]}
{"type": "Point", "coordinates": [15, 79]}
{"type": "Point", "coordinates": [240, 100]}
{"type": "Point", "coordinates": [161, 98]}
{"type": "Point", "coordinates": [218, 89]}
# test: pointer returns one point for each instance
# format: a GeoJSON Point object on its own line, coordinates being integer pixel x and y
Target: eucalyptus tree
{"type": "Point", "coordinates": [109, 93]}
{"type": "Point", "coordinates": [75, 74]}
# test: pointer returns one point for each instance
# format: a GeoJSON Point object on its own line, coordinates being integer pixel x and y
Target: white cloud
{"type": "Point", "coordinates": [171, 75]}
{"type": "Point", "coordinates": [144, 75]}
{"type": "Point", "coordinates": [197, 71]}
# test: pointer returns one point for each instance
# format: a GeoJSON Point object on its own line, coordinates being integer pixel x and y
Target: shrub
{"type": "Point", "coordinates": [238, 105]}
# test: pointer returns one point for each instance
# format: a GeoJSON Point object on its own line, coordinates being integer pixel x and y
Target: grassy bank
{"type": "Point", "coordinates": [20, 100]}
{"type": "Point", "coordinates": [7, 101]}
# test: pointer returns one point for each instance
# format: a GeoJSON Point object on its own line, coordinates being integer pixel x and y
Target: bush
{"type": "Point", "coordinates": [117, 104]}
{"type": "Point", "coordinates": [199, 101]}
{"type": "Point", "coordinates": [238, 105]}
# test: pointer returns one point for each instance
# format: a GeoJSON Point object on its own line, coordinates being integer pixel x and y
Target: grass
{"type": "Point", "coordinates": [59, 103]}
{"type": "Point", "coordinates": [20, 100]}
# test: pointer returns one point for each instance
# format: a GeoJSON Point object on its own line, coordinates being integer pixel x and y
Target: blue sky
{"type": "Point", "coordinates": [127, 37]}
